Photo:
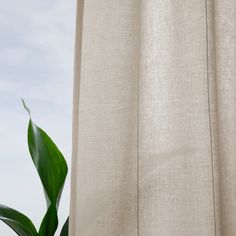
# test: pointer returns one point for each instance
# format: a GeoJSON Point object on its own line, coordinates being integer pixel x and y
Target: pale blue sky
{"type": "Point", "coordinates": [36, 63]}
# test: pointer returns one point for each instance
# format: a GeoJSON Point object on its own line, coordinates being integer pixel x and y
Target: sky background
{"type": "Point", "coordinates": [36, 63]}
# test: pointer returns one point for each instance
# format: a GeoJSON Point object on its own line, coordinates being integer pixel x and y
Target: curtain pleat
{"type": "Point", "coordinates": [154, 118]}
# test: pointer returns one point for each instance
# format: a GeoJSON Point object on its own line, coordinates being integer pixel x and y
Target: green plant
{"type": "Point", "coordinates": [52, 170]}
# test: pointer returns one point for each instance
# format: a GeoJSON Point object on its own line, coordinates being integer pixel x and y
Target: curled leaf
{"type": "Point", "coordinates": [20, 223]}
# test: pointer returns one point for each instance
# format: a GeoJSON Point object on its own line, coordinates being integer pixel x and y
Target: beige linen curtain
{"type": "Point", "coordinates": [154, 130]}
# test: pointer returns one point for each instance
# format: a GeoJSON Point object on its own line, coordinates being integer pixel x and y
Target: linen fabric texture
{"type": "Point", "coordinates": [154, 118]}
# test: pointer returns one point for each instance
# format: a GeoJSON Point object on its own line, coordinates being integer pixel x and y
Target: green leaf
{"type": "Point", "coordinates": [49, 162]}
{"type": "Point", "coordinates": [52, 170]}
{"type": "Point", "coordinates": [21, 224]}
{"type": "Point", "coordinates": [49, 224]}
{"type": "Point", "coordinates": [65, 228]}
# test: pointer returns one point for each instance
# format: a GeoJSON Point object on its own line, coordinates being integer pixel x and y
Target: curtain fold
{"type": "Point", "coordinates": [154, 118]}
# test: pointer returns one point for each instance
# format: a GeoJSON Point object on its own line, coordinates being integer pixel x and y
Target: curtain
{"type": "Point", "coordinates": [154, 119]}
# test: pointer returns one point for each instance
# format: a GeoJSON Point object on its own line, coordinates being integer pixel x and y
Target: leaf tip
{"type": "Point", "coordinates": [25, 106]}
